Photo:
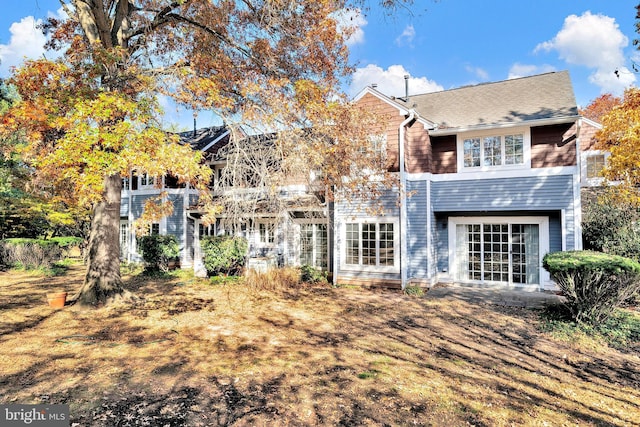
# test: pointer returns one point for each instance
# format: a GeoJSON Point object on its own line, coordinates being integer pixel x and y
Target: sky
{"type": "Point", "coordinates": [440, 44]}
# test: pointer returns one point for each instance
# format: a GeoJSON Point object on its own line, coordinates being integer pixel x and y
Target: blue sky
{"type": "Point", "coordinates": [442, 44]}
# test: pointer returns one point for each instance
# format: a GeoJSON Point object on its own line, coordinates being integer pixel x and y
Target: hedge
{"type": "Point", "coordinates": [594, 283]}
{"type": "Point", "coordinates": [224, 254]}
{"type": "Point", "coordinates": [36, 253]}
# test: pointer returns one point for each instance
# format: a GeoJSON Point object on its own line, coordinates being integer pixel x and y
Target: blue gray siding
{"type": "Point", "coordinates": [124, 207]}
{"type": "Point", "coordinates": [417, 238]}
{"type": "Point", "coordinates": [525, 193]}
{"type": "Point", "coordinates": [524, 196]}
{"type": "Point", "coordinates": [345, 211]}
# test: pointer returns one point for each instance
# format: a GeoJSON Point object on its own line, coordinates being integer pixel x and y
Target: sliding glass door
{"type": "Point", "coordinates": [506, 252]}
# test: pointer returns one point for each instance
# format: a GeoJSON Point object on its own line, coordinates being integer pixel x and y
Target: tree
{"type": "Point", "coordinates": [600, 106]}
{"type": "Point", "coordinates": [620, 135]}
{"type": "Point", "coordinates": [91, 116]}
{"type": "Point", "coordinates": [27, 210]}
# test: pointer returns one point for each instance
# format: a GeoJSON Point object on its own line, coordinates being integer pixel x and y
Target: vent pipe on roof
{"type": "Point", "coordinates": [406, 87]}
{"type": "Point", "coordinates": [374, 85]}
{"type": "Point", "coordinates": [194, 125]}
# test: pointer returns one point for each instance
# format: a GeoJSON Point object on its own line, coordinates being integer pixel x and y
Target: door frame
{"type": "Point", "coordinates": [543, 245]}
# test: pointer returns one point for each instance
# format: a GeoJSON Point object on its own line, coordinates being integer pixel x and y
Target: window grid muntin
{"type": "Point", "coordinates": [353, 244]}
{"type": "Point", "coordinates": [595, 164]}
{"type": "Point", "coordinates": [493, 151]}
{"type": "Point", "coordinates": [370, 244]}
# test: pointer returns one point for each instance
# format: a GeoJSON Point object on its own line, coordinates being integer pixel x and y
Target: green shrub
{"type": "Point", "coordinates": [34, 254]}
{"type": "Point", "coordinates": [224, 254]}
{"type": "Point", "coordinates": [611, 226]}
{"type": "Point", "coordinates": [310, 274]}
{"type": "Point", "coordinates": [594, 283]}
{"type": "Point", "coordinates": [158, 251]}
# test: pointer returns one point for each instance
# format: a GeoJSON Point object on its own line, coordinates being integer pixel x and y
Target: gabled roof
{"type": "Point", "coordinates": [205, 139]}
{"type": "Point", "coordinates": [544, 96]}
{"type": "Point", "coordinates": [401, 106]}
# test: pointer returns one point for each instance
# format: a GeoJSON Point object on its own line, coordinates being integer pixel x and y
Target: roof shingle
{"type": "Point", "coordinates": [544, 96]}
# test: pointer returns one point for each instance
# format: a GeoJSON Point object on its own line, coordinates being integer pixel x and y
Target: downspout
{"type": "Point", "coordinates": [577, 198]}
{"type": "Point", "coordinates": [198, 266]}
{"type": "Point", "coordinates": [403, 200]}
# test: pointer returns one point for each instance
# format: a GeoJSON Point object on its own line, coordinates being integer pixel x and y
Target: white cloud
{"type": "Point", "coordinates": [351, 20]}
{"type": "Point", "coordinates": [390, 81]}
{"type": "Point", "coordinates": [478, 72]}
{"type": "Point", "coordinates": [518, 70]}
{"type": "Point", "coordinates": [407, 36]}
{"type": "Point", "coordinates": [593, 41]}
{"type": "Point", "coordinates": [26, 41]}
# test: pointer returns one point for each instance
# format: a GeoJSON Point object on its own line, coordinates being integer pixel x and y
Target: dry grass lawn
{"type": "Point", "coordinates": [195, 354]}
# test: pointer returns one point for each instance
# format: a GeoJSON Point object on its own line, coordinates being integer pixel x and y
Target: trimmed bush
{"type": "Point", "coordinates": [33, 254]}
{"type": "Point", "coordinates": [158, 251]}
{"type": "Point", "coordinates": [594, 283]}
{"type": "Point", "coordinates": [310, 274]}
{"type": "Point", "coordinates": [224, 254]}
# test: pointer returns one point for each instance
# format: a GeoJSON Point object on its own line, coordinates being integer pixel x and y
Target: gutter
{"type": "Point", "coordinates": [538, 122]}
{"type": "Point", "coordinates": [403, 199]}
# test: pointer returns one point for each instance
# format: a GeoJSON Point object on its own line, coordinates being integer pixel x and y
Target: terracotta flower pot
{"type": "Point", "coordinates": [57, 299]}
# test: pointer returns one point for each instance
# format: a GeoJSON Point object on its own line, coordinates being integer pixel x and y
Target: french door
{"type": "Point", "coordinates": [498, 252]}
{"type": "Point", "coordinates": [124, 239]}
{"type": "Point", "coordinates": [313, 245]}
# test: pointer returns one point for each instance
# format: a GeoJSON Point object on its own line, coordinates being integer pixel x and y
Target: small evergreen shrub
{"type": "Point", "coordinates": [594, 283]}
{"type": "Point", "coordinates": [310, 274]}
{"type": "Point", "coordinates": [224, 254]}
{"type": "Point", "coordinates": [158, 251]}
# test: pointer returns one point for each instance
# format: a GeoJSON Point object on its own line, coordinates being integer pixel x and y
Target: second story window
{"type": "Point", "coordinates": [497, 150]}
{"type": "Point", "coordinates": [147, 180]}
{"type": "Point", "coordinates": [493, 150]}
{"type": "Point", "coordinates": [595, 164]}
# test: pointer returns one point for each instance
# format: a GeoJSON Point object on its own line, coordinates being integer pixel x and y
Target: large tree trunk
{"type": "Point", "coordinates": [102, 283]}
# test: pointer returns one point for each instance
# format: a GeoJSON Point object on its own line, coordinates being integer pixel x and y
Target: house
{"type": "Point", "coordinates": [489, 182]}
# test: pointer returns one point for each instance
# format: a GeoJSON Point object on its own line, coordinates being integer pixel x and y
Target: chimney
{"type": "Point", "coordinates": [406, 87]}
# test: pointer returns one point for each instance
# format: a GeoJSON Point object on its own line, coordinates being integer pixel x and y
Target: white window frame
{"type": "Point", "coordinates": [314, 243]}
{"type": "Point", "coordinates": [543, 242]}
{"type": "Point", "coordinates": [146, 177]}
{"type": "Point", "coordinates": [585, 155]}
{"type": "Point", "coordinates": [502, 133]}
{"type": "Point", "coordinates": [125, 244]}
{"type": "Point", "coordinates": [395, 268]}
{"type": "Point", "coordinates": [270, 228]}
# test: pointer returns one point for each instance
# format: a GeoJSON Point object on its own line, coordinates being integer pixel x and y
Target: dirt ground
{"type": "Point", "coordinates": [195, 354]}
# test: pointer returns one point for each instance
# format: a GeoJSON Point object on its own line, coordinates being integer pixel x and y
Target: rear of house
{"type": "Point", "coordinates": [489, 183]}
{"type": "Point", "coordinates": [492, 184]}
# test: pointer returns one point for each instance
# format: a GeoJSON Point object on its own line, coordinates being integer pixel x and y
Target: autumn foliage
{"type": "Point", "coordinates": [91, 116]}
{"type": "Point", "coordinates": [620, 135]}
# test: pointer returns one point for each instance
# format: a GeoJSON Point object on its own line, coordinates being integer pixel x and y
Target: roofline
{"type": "Point", "coordinates": [537, 122]}
{"type": "Point", "coordinates": [591, 122]}
{"type": "Point", "coordinates": [212, 143]}
{"type": "Point", "coordinates": [403, 110]}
